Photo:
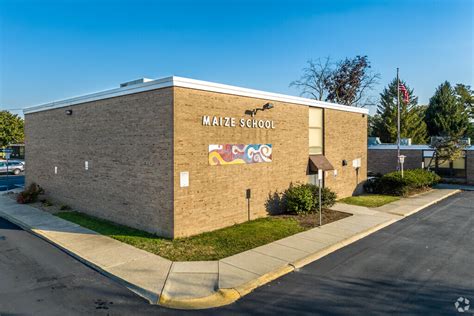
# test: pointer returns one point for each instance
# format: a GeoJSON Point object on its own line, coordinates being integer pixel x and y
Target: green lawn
{"type": "Point", "coordinates": [208, 246]}
{"type": "Point", "coordinates": [370, 200]}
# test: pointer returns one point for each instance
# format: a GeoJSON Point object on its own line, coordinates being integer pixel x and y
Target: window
{"type": "Point", "coordinates": [315, 131]}
{"type": "Point", "coordinates": [459, 163]}
{"type": "Point", "coordinates": [446, 169]}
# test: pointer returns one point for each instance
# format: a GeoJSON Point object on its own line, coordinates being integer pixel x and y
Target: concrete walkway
{"type": "Point", "coordinates": [205, 284]}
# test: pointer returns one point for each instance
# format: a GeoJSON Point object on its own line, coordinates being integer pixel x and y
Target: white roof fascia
{"type": "Point", "coordinates": [227, 89]}
{"type": "Point", "coordinates": [174, 81]}
{"type": "Point", "coordinates": [151, 85]}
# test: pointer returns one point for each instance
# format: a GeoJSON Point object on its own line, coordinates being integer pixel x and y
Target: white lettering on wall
{"type": "Point", "coordinates": [226, 121]}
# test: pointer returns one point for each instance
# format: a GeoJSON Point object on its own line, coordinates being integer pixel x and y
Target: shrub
{"type": "Point", "coordinates": [304, 198]}
{"type": "Point", "coordinates": [46, 202]}
{"type": "Point", "coordinates": [30, 194]}
{"type": "Point", "coordinates": [65, 207]}
{"type": "Point", "coordinates": [276, 203]}
{"type": "Point", "coordinates": [371, 185]}
{"type": "Point", "coordinates": [299, 199]}
{"type": "Point", "coordinates": [393, 183]}
{"type": "Point", "coordinates": [328, 197]}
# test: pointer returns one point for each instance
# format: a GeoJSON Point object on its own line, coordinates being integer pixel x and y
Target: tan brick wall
{"type": "Point", "coordinates": [128, 143]}
{"type": "Point", "coordinates": [385, 160]}
{"type": "Point", "coordinates": [345, 138]}
{"type": "Point", "coordinates": [136, 149]}
{"type": "Point", "coordinates": [216, 195]}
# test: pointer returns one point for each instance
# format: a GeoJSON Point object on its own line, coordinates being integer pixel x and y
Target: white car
{"type": "Point", "coordinates": [14, 166]}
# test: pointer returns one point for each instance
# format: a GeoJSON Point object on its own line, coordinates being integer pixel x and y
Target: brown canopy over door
{"type": "Point", "coordinates": [317, 162]}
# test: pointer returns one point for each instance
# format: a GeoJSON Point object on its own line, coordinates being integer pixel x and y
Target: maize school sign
{"type": "Point", "coordinates": [227, 121]}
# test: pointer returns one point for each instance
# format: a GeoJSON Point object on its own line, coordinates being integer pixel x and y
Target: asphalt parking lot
{"type": "Point", "coordinates": [9, 181]}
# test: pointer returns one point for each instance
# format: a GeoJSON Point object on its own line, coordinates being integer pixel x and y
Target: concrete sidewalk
{"type": "Point", "coordinates": [205, 284]}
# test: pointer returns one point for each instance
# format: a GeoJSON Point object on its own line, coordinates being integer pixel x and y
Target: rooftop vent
{"type": "Point", "coordinates": [405, 141]}
{"type": "Point", "coordinates": [133, 82]}
{"type": "Point", "coordinates": [374, 141]}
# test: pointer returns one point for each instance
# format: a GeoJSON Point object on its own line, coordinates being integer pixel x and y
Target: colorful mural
{"type": "Point", "coordinates": [234, 154]}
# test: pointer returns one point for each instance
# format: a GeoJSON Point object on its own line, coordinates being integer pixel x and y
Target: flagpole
{"type": "Point", "coordinates": [398, 121]}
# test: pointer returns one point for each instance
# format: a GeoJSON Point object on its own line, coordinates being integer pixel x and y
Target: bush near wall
{"type": "Point", "coordinates": [304, 198]}
{"type": "Point", "coordinates": [393, 183]}
{"type": "Point", "coordinates": [30, 194]}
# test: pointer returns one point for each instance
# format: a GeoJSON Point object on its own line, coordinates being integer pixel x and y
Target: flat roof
{"type": "Point", "coordinates": [175, 81]}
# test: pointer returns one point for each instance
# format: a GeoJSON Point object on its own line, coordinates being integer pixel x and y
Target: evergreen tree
{"type": "Point", "coordinates": [466, 97]}
{"type": "Point", "coordinates": [411, 117]}
{"type": "Point", "coordinates": [373, 120]}
{"type": "Point", "coordinates": [447, 114]}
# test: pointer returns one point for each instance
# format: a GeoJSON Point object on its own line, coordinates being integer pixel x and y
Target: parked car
{"type": "Point", "coordinates": [17, 161]}
{"type": "Point", "coordinates": [15, 167]}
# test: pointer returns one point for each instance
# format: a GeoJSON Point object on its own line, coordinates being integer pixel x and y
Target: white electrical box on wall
{"type": "Point", "coordinates": [356, 163]}
{"type": "Point", "coordinates": [55, 170]}
{"type": "Point", "coordinates": [86, 165]}
{"type": "Point", "coordinates": [184, 179]}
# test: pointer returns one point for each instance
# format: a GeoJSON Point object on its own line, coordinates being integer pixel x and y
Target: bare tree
{"type": "Point", "coordinates": [346, 82]}
{"type": "Point", "coordinates": [313, 81]}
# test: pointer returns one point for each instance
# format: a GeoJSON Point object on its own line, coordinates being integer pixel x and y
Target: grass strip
{"type": "Point", "coordinates": [370, 200]}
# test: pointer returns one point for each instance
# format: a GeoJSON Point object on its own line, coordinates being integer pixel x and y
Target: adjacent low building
{"type": "Point", "coordinates": [178, 156]}
{"type": "Point", "coordinates": [382, 159]}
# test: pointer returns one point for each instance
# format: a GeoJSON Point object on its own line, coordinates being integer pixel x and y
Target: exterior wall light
{"type": "Point", "coordinates": [68, 112]}
{"type": "Point", "coordinates": [266, 106]}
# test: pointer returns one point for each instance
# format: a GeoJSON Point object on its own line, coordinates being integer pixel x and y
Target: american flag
{"type": "Point", "coordinates": [404, 91]}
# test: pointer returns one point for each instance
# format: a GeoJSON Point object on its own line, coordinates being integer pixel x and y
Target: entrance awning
{"type": "Point", "coordinates": [317, 162]}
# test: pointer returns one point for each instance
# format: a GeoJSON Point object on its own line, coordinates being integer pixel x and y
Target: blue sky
{"type": "Point", "coordinates": [51, 50]}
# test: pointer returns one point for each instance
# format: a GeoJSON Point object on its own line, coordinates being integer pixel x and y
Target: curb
{"type": "Point", "coordinates": [146, 294]}
{"type": "Point", "coordinates": [248, 287]}
{"type": "Point", "coordinates": [318, 255]}
{"type": "Point", "coordinates": [426, 205]}
{"type": "Point", "coordinates": [220, 298]}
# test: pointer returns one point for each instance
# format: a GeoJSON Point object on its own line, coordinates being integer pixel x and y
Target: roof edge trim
{"type": "Point", "coordinates": [174, 81]}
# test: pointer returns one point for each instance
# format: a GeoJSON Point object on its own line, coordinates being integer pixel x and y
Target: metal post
{"type": "Point", "coordinates": [320, 206]}
{"type": "Point", "coordinates": [398, 121]}
{"type": "Point", "coordinates": [248, 208]}
{"type": "Point", "coordinates": [7, 157]}
{"type": "Point", "coordinates": [320, 178]}
{"type": "Point", "coordinates": [402, 161]}
{"type": "Point", "coordinates": [248, 195]}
